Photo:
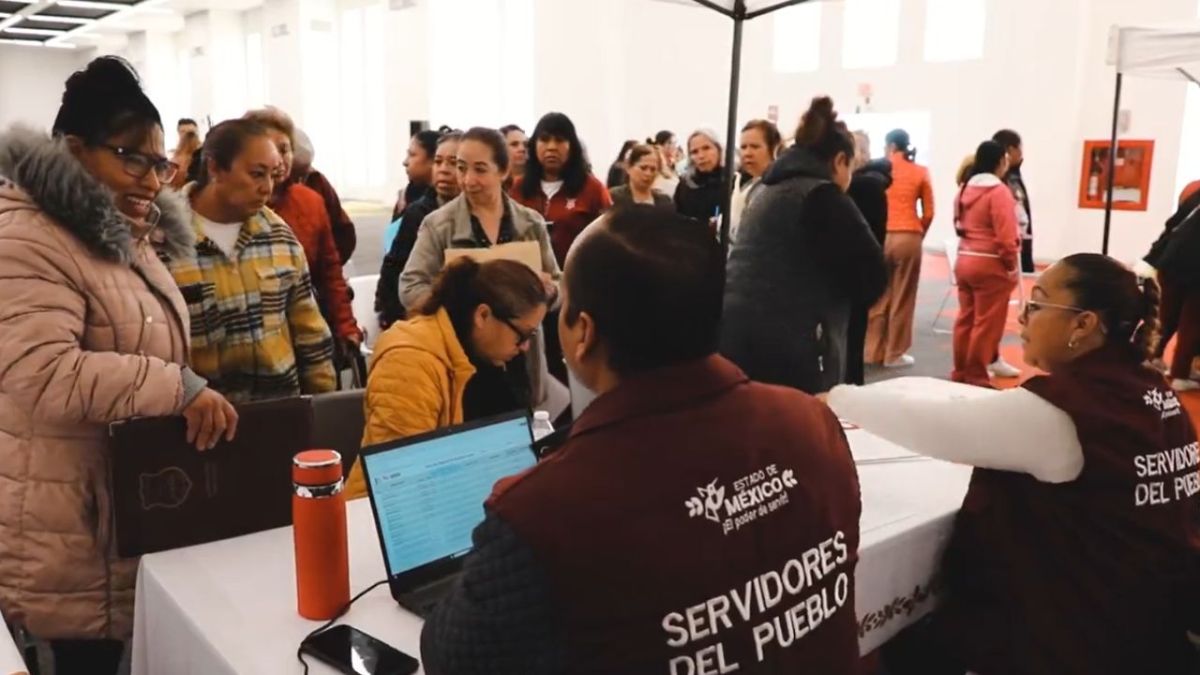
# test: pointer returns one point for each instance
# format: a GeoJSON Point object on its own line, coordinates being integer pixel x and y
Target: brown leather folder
{"type": "Point", "coordinates": [167, 495]}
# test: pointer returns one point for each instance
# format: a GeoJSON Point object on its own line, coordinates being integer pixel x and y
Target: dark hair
{"type": "Point", "coordinates": [575, 170]}
{"type": "Point", "coordinates": [1128, 307]}
{"type": "Point", "coordinates": [428, 140]}
{"type": "Point", "coordinates": [492, 139]}
{"type": "Point", "coordinates": [454, 135]}
{"type": "Point", "coordinates": [663, 137]}
{"type": "Point", "coordinates": [225, 142]}
{"type": "Point", "coordinates": [770, 134]}
{"type": "Point", "coordinates": [1008, 138]}
{"type": "Point", "coordinates": [651, 280]}
{"type": "Point", "coordinates": [271, 117]}
{"type": "Point", "coordinates": [903, 143]}
{"type": "Point", "coordinates": [822, 133]}
{"type": "Point", "coordinates": [988, 157]}
{"type": "Point", "coordinates": [640, 150]}
{"type": "Point", "coordinates": [186, 120]}
{"type": "Point", "coordinates": [625, 148]}
{"type": "Point", "coordinates": [509, 288]}
{"type": "Point", "coordinates": [509, 128]}
{"type": "Point", "coordinates": [103, 100]}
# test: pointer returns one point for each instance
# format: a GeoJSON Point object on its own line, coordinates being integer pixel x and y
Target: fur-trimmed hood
{"type": "Point", "coordinates": [43, 171]}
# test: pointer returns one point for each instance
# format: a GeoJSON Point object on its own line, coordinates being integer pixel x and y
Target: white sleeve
{"type": "Point", "coordinates": [1014, 430]}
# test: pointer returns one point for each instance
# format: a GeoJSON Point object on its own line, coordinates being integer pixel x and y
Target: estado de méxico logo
{"type": "Point", "coordinates": [754, 496]}
{"type": "Point", "coordinates": [1164, 402]}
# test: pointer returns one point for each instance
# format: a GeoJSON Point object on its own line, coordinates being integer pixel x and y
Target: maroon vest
{"type": "Point", "coordinates": [697, 523]}
{"type": "Point", "coordinates": [1094, 576]}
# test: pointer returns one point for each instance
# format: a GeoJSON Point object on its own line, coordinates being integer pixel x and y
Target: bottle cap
{"type": "Point", "coordinates": [317, 467]}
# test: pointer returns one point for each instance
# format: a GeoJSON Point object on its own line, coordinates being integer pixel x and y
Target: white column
{"type": "Point", "coordinates": [283, 68]}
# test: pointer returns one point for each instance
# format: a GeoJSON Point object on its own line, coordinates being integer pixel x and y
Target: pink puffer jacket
{"type": "Point", "coordinates": [92, 330]}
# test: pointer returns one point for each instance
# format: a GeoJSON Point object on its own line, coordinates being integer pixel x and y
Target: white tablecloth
{"type": "Point", "coordinates": [11, 662]}
{"type": "Point", "coordinates": [230, 606]}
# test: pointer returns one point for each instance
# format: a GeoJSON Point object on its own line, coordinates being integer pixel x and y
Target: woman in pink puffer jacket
{"type": "Point", "coordinates": [92, 330]}
{"type": "Point", "coordinates": [988, 264]}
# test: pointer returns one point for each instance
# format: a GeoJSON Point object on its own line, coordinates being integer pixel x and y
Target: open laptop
{"type": "Point", "coordinates": [427, 493]}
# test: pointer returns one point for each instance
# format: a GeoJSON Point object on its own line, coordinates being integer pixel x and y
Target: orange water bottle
{"type": "Point", "coordinates": [319, 519]}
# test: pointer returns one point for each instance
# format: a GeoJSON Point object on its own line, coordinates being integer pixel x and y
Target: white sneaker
{"type": "Point", "coordinates": [905, 361]}
{"type": "Point", "coordinates": [1004, 369]}
{"type": "Point", "coordinates": [1185, 385]}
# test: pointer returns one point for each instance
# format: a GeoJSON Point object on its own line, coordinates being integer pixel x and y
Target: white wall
{"type": "Point", "coordinates": [645, 65]}
{"type": "Point", "coordinates": [638, 66]}
{"type": "Point", "coordinates": [30, 94]}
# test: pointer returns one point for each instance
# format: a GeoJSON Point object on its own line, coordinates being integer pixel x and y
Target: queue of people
{"type": "Point", "coordinates": [128, 298]}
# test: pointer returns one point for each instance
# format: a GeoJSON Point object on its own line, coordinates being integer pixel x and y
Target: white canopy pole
{"type": "Point", "coordinates": [1164, 52]}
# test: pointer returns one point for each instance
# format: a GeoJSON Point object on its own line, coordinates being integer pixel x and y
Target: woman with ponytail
{"type": "Point", "coordinates": [804, 257]}
{"type": "Point", "coordinates": [1077, 549]}
{"type": "Point", "coordinates": [989, 258]}
{"type": "Point", "coordinates": [910, 213]}
{"type": "Point", "coordinates": [445, 364]}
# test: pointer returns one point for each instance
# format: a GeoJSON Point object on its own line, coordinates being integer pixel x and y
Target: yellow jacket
{"type": "Point", "coordinates": [416, 382]}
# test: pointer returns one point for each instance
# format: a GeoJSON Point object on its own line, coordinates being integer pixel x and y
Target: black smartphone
{"type": "Point", "coordinates": [354, 652]}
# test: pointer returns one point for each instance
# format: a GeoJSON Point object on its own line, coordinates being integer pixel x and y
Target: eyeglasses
{"type": "Point", "coordinates": [523, 338]}
{"type": "Point", "coordinates": [1033, 306]}
{"type": "Point", "coordinates": [139, 165]}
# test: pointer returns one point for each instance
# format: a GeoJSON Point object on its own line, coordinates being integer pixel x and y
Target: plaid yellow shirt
{"type": "Point", "coordinates": [257, 332]}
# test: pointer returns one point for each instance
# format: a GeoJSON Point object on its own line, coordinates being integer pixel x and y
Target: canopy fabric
{"type": "Point", "coordinates": [1156, 52]}
{"type": "Point", "coordinates": [753, 7]}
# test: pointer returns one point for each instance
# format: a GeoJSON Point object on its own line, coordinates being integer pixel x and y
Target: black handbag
{"type": "Point", "coordinates": [1176, 254]}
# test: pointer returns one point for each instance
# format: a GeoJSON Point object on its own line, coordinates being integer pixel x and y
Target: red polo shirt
{"type": "Point", "coordinates": [696, 522]}
{"type": "Point", "coordinates": [566, 214]}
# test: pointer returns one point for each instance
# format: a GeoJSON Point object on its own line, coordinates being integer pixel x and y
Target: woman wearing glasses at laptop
{"type": "Point", "coordinates": [444, 366]}
{"type": "Point", "coordinates": [94, 331]}
{"type": "Point", "coordinates": [1077, 549]}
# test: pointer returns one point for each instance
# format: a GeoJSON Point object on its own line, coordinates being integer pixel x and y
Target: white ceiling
{"type": "Point", "coordinates": [66, 23]}
{"type": "Point", "coordinates": [85, 23]}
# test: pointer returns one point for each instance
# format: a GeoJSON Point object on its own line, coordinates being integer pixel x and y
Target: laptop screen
{"type": "Point", "coordinates": [428, 495]}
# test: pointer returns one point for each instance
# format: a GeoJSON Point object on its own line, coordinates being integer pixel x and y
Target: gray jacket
{"type": "Point", "coordinates": [450, 227]}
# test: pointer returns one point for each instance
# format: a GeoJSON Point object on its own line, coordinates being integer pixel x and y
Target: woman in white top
{"type": "Point", "coordinates": [668, 154]}
{"type": "Point", "coordinates": [757, 149]}
{"type": "Point", "coordinates": [1077, 548]}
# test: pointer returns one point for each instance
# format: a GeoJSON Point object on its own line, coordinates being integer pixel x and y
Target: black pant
{"type": "Point", "coordinates": [920, 650]}
{"type": "Point", "coordinates": [86, 657]}
{"type": "Point", "coordinates": [856, 342]}
{"type": "Point", "coordinates": [1027, 256]}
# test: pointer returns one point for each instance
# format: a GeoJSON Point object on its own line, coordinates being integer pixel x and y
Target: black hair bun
{"type": "Point", "coordinates": [105, 76]}
{"type": "Point", "coordinates": [104, 99]}
{"type": "Point", "coordinates": [822, 107]}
